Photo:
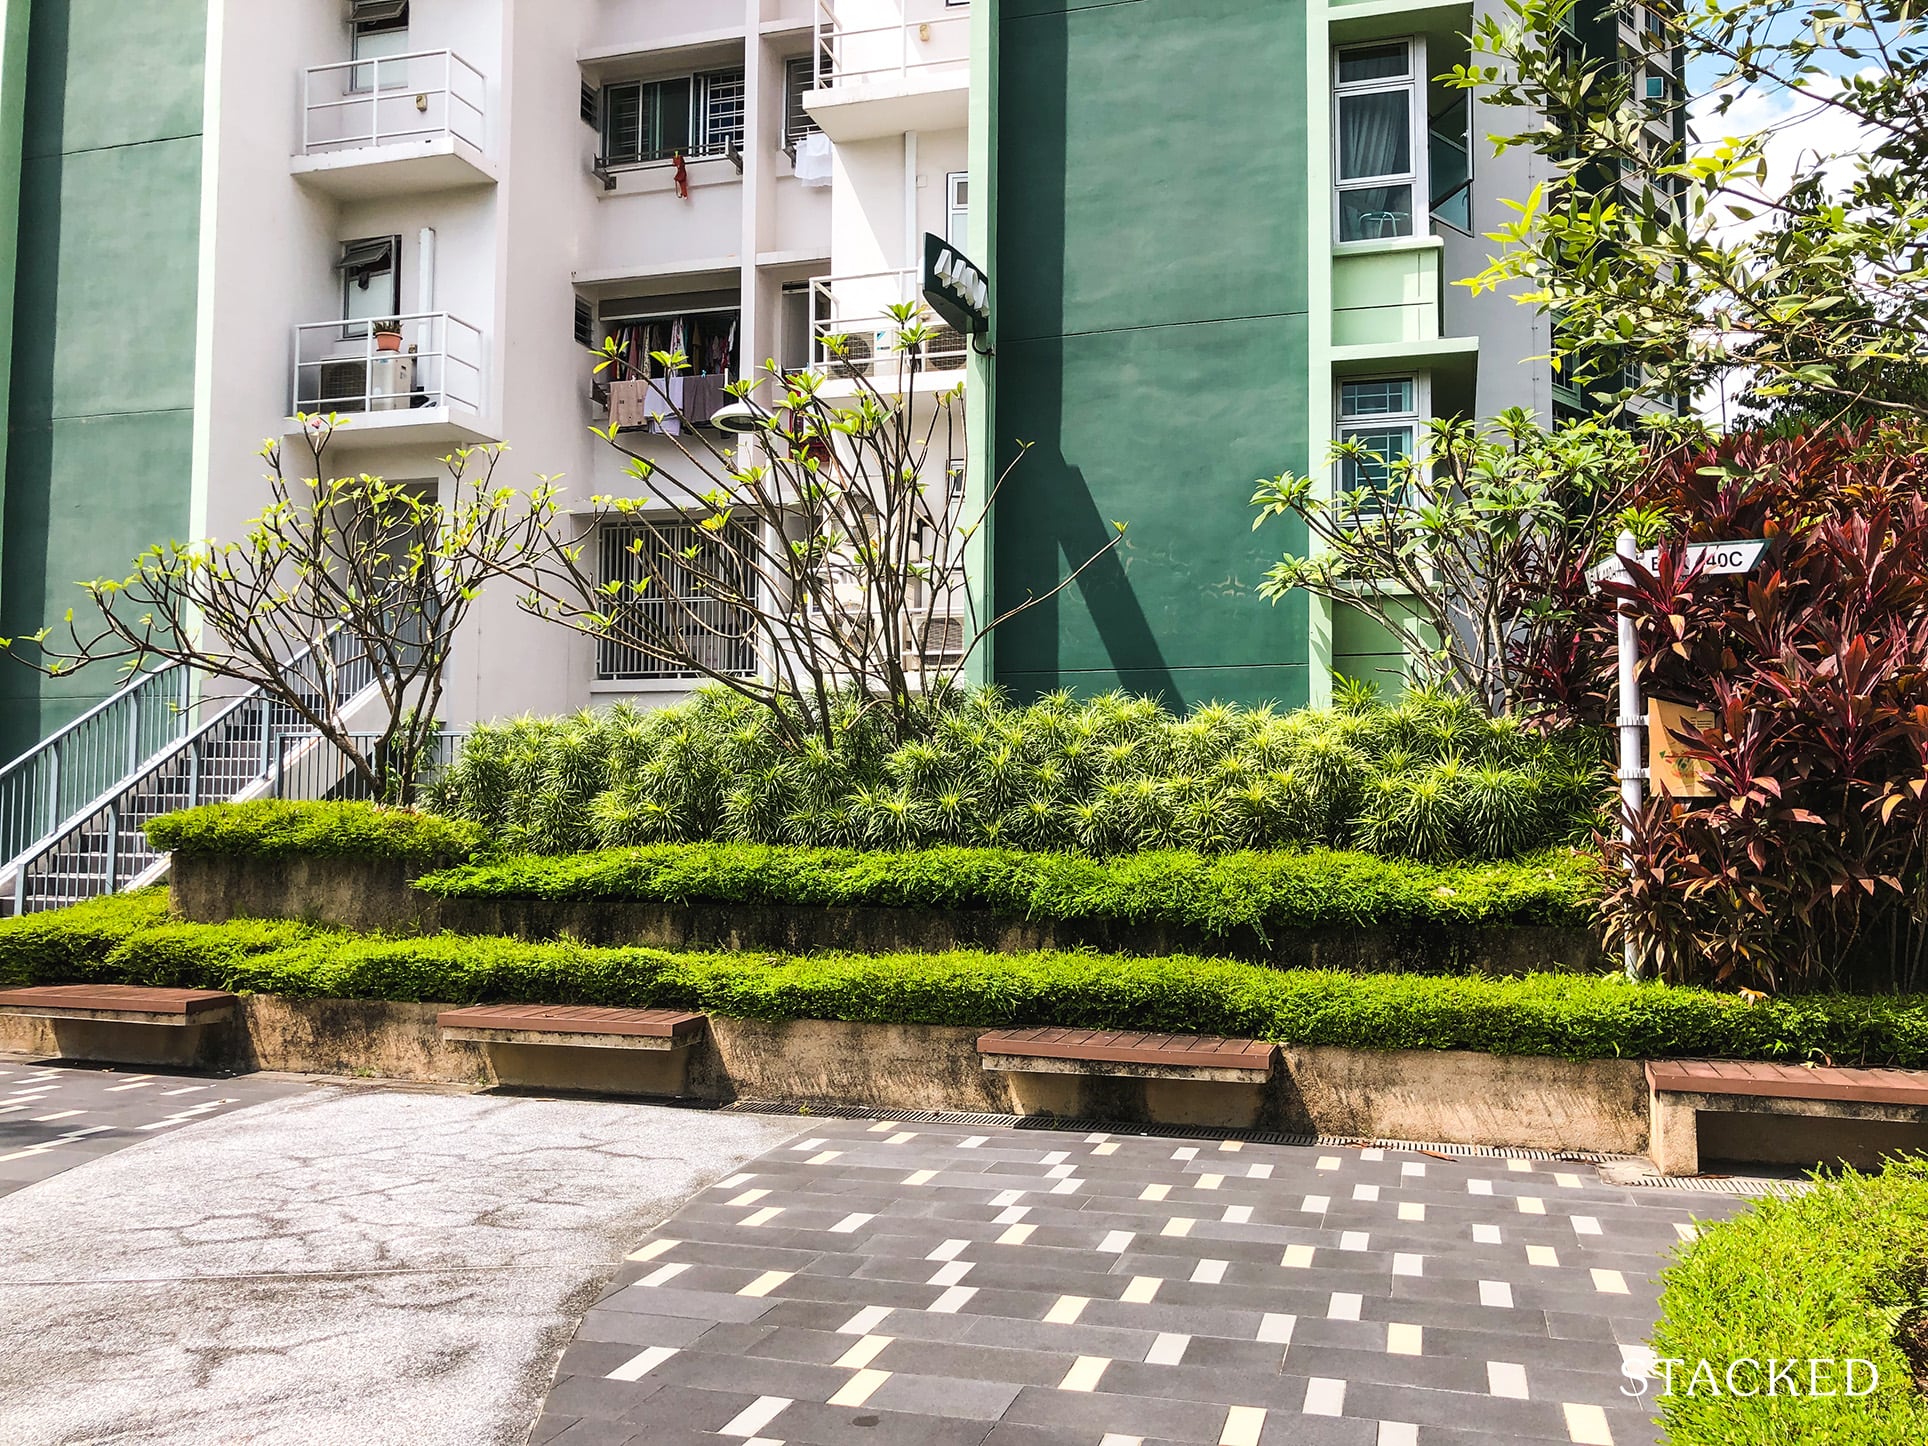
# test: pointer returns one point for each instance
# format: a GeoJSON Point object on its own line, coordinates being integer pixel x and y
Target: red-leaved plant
{"type": "Point", "coordinates": [1805, 867]}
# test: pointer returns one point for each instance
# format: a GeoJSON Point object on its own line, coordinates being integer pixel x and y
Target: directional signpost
{"type": "Point", "coordinates": [1716, 558]}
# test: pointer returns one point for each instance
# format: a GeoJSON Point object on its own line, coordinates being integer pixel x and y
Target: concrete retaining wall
{"type": "Point", "coordinates": [1450, 1096]}
{"type": "Point", "coordinates": [375, 894]}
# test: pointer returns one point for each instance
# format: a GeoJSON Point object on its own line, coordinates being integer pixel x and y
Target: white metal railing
{"type": "Point", "coordinates": [857, 309]}
{"type": "Point", "coordinates": [859, 41]}
{"type": "Point", "coordinates": [343, 366]}
{"type": "Point", "coordinates": [392, 98]}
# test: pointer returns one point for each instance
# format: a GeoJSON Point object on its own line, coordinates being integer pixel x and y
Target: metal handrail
{"type": "Point", "coordinates": [79, 761]}
{"type": "Point", "coordinates": [438, 363]}
{"type": "Point", "coordinates": [865, 323]}
{"type": "Point", "coordinates": [461, 116]}
{"type": "Point", "coordinates": [847, 53]}
{"type": "Point", "coordinates": [107, 815]}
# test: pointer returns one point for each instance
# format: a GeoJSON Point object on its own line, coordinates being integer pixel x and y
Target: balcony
{"type": "Point", "coordinates": [857, 308]}
{"type": "Point", "coordinates": [428, 389]}
{"type": "Point", "coordinates": [885, 79]}
{"type": "Point", "coordinates": [400, 124]}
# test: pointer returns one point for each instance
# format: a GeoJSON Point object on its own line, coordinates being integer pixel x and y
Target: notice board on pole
{"type": "Point", "coordinates": [1666, 768]}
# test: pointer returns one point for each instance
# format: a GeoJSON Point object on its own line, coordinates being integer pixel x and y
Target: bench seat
{"type": "Point", "coordinates": [577, 1026]}
{"type": "Point", "coordinates": [120, 1004]}
{"type": "Point", "coordinates": [1680, 1088]}
{"type": "Point", "coordinates": [1128, 1054]}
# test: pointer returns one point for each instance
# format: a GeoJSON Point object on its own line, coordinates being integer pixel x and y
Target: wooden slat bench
{"type": "Point", "coordinates": [124, 1023]}
{"type": "Point", "coordinates": [563, 1046]}
{"type": "Point", "coordinates": [1128, 1054]}
{"type": "Point", "coordinates": [119, 1004]}
{"type": "Point", "coordinates": [1680, 1088]}
{"type": "Point", "coordinates": [1179, 1079]}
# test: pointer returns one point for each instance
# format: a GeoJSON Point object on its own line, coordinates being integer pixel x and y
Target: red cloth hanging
{"type": "Point", "coordinates": [682, 177]}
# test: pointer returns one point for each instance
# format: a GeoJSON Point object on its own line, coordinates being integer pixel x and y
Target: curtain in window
{"type": "Point", "coordinates": [1375, 135]}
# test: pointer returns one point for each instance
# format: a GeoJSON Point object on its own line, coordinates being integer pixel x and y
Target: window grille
{"type": "Point", "coordinates": [691, 581]}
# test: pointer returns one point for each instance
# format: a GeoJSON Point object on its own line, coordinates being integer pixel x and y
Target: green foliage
{"type": "Point", "coordinates": [1264, 891]}
{"type": "Point", "coordinates": [1454, 549]}
{"type": "Point", "coordinates": [1560, 1015]}
{"type": "Point", "coordinates": [1110, 775]}
{"type": "Point", "coordinates": [282, 828]}
{"type": "Point", "coordinates": [1677, 267]}
{"type": "Point", "coordinates": [1839, 1271]}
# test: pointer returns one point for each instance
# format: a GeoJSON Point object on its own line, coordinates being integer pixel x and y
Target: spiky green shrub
{"type": "Point", "coordinates": [1427, 777]}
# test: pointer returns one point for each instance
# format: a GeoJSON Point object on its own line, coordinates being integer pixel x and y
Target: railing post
{"type": "Point", "coordinates": [53, 791]}
{"type": "Point", "coordinates": [194, 773]}
{"type": "Point", "coordinates": [133, 730]}
{"type": "Point", "coordinates": [113, 846]}
{"type": "Point", "coordinates": [261, 707]}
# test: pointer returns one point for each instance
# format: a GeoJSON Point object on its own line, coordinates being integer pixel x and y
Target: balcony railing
{"type": "Point", "coordinates": [849, 54]}
{"type": "Point", "coordinates": [342, 366]}
{"type": "Point", "coordinates": [857, 308]}
{"type": "Point", "coordinates": [390, 100]}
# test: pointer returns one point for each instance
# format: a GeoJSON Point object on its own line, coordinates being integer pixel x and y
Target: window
{"type": "Point", "coordinates": [1375, 165]}
{"type": "Point", "coordinates": [958, 214]}
{"type": "Point", "coordinates": [1381, 417]}
{"type": "Point", "coordinates": [1449, 164]}
{"type": "Point", "coordinates": [371, 281]}
{"type": "Point", "coordinates": [585, 328]}
{"type": "Point", "coordinates": [691, 580]}
{"type": "Point", "coordinates": [379, 29]}
{"type": "Point", "coordinates": [799, 79]}
{"type": "Point", "coordinates": [698, 115]}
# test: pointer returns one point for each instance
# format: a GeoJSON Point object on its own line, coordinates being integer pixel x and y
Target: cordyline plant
{"type": "Point", "coordinates": [1805, 867]}
{"type": "Point", "coordinates": [1462, 547]}
{"type": "Point", "coordinates": [1679, 257]}
{"type": "Point", "coordinates": [340, 603]}
{"type": "Point", "coordinates": [820, 557]}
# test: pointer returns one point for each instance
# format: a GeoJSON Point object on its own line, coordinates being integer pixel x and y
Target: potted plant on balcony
{"type": "Point", "coordinates": [388, 335]}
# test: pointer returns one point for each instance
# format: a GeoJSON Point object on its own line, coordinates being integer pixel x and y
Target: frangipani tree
{"type": "Point", "coordinates": [819, 548]}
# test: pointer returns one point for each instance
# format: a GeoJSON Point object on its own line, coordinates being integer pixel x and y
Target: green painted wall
{"type": "Point", "coordinates": [100, 406]}
{"type": "Point", "coordinates": [1150, 268]}
{"type": "Point", "coordinates": [1150, 272]}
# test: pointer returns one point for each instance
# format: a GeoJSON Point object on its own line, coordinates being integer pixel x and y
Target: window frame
{"type": "Point", "coordinates": [1413, 419]}
{"type": "Point", "coordinates": [1416, 177]}
{"type": "Point", "coordinates": [355, 328]}
{"type": "Point", "coordinates": [364, 78]}
{"type": "Point", "coordinates": [709, 135]}
{"type": "Point", "coordinates": [798, 122]}
{"type": "Point", "coordinates": [957, 215]}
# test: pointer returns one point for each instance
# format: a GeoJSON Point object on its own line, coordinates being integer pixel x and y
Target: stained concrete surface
{"type": "Point", "coordinates": [342, 1267]}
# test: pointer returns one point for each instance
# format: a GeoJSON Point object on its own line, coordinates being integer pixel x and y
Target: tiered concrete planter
{"type": "Point", "coordinates": [1453, 1096]}
{"type": "Point", "coordinates": [374, 894]}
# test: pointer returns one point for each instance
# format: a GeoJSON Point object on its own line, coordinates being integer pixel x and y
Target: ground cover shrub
{"type": "Point", "coordinates": [285, 828]}
{"type": "Point", "coordinates": [1430, 778]}
{"type": "Point", "coordinates": [1216, 894]}
{"type": "Point", "coordinates": [1840, 1271]}
{"type": "Point", "coordinates": [1559, 1015]}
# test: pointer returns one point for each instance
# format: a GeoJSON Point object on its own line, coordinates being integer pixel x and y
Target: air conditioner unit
{"type": "Point", "coordinates": [391, 383]}
{"type": "Point", "coordinates": [341, 386]}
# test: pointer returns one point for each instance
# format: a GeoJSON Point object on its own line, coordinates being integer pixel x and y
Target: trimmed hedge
{"type": "Point", "coordinates": [285, 828]}
{"type": "Point", "coordinates": [1262, 891]}
{"type": "Point", "coordinates": [1557, 1015]}
{"type": "Point", "coordinates": [1840, 1271]}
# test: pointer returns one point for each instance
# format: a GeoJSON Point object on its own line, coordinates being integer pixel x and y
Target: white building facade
{"type": "Point", "coordinates": [510, 182]}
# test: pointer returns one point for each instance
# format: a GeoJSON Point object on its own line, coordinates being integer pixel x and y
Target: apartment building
{"type": "Point", "coordinates": [423, 215]}
{"type": "Point", "coordinates": [1221, 234]}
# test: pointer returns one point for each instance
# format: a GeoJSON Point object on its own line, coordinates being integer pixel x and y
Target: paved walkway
{"type": "Point", "coordinates": [53, 1118]}
{"type": "Point", "coordinates": [341, 1266]}
{"type": "Point", "coordinates": [941, 1285]}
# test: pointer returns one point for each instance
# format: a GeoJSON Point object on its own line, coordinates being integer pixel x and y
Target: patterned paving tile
{"type": "Point", "coordinates": [992, 1286]}
{"type": "Point", "coordinates": [53, 1117]}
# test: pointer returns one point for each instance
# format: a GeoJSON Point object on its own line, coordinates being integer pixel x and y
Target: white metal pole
{"type": "Point", "coordinates": [1632, 726]}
